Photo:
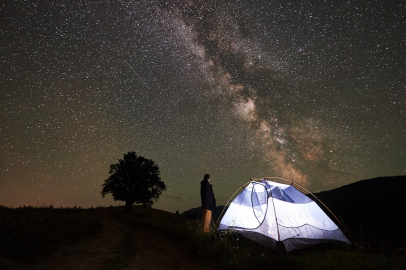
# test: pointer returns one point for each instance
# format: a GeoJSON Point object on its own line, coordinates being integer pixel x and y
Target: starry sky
{"type": "Point", "coordinates": [313, 91]}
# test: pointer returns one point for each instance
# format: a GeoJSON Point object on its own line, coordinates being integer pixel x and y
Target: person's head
{"type": "Point", "coordinates": [206, 177]}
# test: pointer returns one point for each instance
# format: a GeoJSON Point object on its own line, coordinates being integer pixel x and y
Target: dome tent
{"type": "Point", "coordinates": [279, 216]}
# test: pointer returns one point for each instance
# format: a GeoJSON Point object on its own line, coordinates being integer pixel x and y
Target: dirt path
{"type": "Point", "coordinates": [104, 252]}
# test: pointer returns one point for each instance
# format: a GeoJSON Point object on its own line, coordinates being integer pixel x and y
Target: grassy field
{"type": "Point", "coordinates": [30, 232]}
{"type": "Point", "coordinates": [235, 252]}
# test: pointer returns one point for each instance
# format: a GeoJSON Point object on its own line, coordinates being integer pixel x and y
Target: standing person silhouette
{"type": "Point", "coordinates": [208, 202]}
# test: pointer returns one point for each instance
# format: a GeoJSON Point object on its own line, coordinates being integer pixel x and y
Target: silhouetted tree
{"type": "Point", "coordinates": [134, 179]}
{"type": "Point", "coordinates": [177, 212]}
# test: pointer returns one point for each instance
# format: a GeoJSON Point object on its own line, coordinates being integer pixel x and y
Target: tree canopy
{"type": "Point", "coordinates": [134, 179]}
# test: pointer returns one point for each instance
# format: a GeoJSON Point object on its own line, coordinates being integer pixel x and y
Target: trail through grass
{"type": "Point", "coordinates": [123, 252]}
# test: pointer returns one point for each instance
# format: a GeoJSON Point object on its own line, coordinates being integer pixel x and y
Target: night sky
{"type": "Point", "coordinates": [312, 91]}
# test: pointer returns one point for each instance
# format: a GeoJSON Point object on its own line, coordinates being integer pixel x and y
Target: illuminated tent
{"type": "Point", "coordinates": [279, 216]}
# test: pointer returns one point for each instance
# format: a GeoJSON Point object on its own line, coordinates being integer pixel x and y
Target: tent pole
{"type": "Point", "coordinates": [342, 225]}
{"type": "Point", "coordinates": [231, 198]}
{"type": "Point", "coordinates": [276, 219]}
{"type": "Point", "coordinates": [345, 227]}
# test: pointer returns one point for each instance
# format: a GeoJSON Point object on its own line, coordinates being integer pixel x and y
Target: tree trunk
{"type": "Point", "coordinates": [129, 206]}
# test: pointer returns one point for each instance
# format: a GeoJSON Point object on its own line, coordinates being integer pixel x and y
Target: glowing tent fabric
{"type": "Point", "coordinates": [268, 212]}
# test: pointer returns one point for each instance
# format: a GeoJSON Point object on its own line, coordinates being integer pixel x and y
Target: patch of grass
{"type": "Point", "coordinates": [233, 251]}
{"type": "Point", "coordinates": [29, 232]}
{"type": "Point", "coordinates": [370, 243]}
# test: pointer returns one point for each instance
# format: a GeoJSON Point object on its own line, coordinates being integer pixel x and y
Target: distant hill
{"type": "Point", "coordinates": [378, 206]}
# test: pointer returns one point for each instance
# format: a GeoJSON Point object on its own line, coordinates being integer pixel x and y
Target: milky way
{"type": "Point", "coordinates": [312, 91]}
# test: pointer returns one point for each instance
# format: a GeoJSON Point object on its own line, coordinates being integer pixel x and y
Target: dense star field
{"type": "Point", "coordinates": [312, 91]}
